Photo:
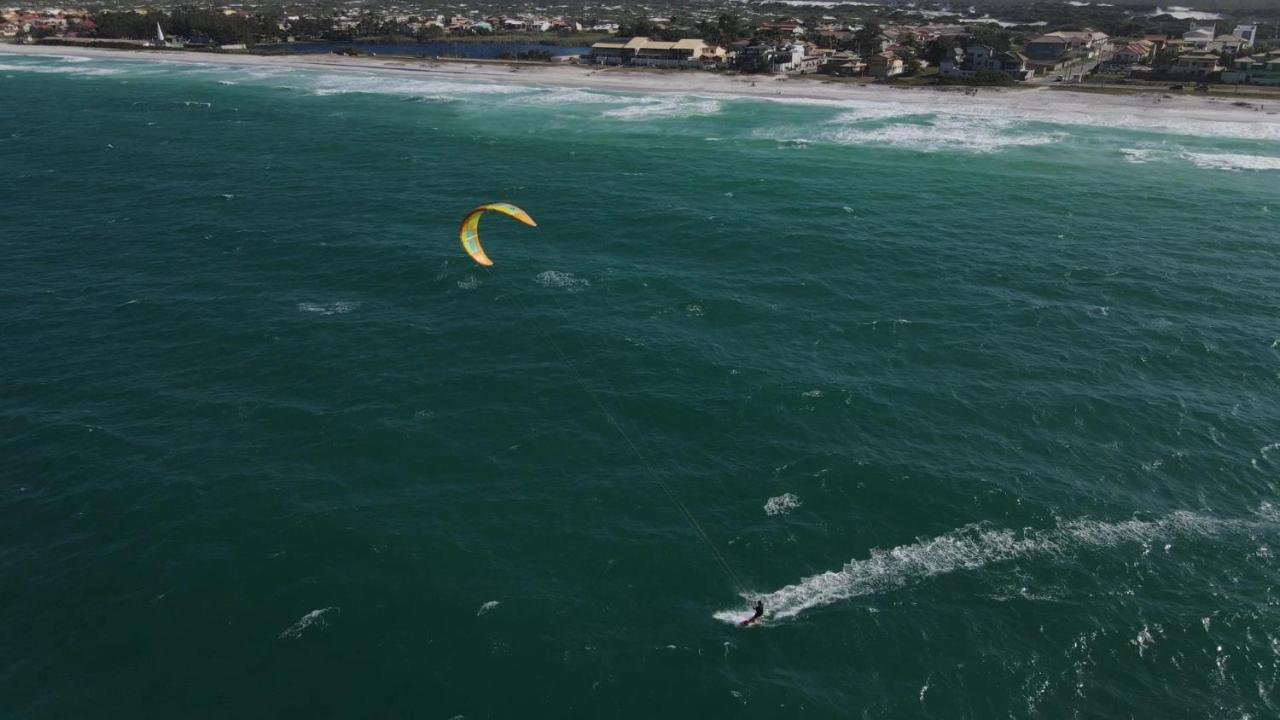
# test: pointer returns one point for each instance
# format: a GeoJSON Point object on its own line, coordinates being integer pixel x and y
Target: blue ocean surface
{"type": "Point", "coordinates": [982, 403]}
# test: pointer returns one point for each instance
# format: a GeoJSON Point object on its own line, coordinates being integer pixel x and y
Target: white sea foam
{"type": "Point", "coordinates": [974, 547]}
{"type": "Point", "coordinates": [562, 280]}
{"type": "Point", "coordinates": [819, 3]}
{"type": "Point", "coordinates": [1139, 156]}
{"type": "Point", "coordinates": [870, 113]}
{"type": "Point", "coordinates": [74, 69]}
{"type": "Point", "coordinates": [485, 608]}
{"type": "Point", "coordinates": [435, 90]}
{"type": "Point", "coordinates": [655, 108]}
{"type": "Point", "coordinates": [568, 96]}
{"type": "Point", "coordinates": [781, 505]}
{"type": "Point", "coordinates": [335, 308]}
{"type": "Point", "coordinates": [967, 133]}
{"type": "Point", "coordinates": [1233, 162]}
{"type": "Point", "coordinates": [315, 618]}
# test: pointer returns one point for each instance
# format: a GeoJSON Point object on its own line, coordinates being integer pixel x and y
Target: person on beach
{"type": "Point", "coordinates": [759, 608]}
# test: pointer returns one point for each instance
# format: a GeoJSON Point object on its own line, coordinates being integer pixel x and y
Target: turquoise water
{"type": "Point", "coordinates": [984, 407]}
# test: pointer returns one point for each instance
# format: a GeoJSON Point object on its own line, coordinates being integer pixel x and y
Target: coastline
{"type": "Point", "coordinates": [1042, 103]}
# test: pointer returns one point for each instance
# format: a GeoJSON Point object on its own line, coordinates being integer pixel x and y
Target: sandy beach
{"type": "Point", "coordinates": [1253, 117]}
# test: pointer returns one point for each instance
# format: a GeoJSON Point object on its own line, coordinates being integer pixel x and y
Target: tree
{"type": "Point", "coordinates": [868, 37]}
{"type": "Point", "coordinates": [723, 30]}
{"type": "Point", "coordinates": [939, 49]}
{"type": "Point", "coordinates": [1164, 59]}
{"type": "Point", "coordinates": [913, 68]}
{"type": "Point", "coordinates": [991, 35]}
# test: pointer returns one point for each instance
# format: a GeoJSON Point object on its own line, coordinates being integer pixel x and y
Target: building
{"type": "Point", "coordinates": [1196, 65]}
{"type": "Point", "coordinates": [884, 65]}
{"type": "Point", "coordinates": [984, 58]}
{"type": "Point", "coordinates": [1063, 45]}
{"type": "Point", "coordinates": [683, 53]}
{"type": "Point", "coordinates": [786, 58]}
{"type": "Point", "coordinates": [754, 58]}
{"type": "Point", "coordinates": [1200, 35]}
{"type": "Point", "coordinates": [1133, 53]}
{"type": "Point", "coordinates": [1256, 70]}
{"type": "Point", "coordinates": [1230, 44]}
{"type": "Point", "coordinates": [643, 52]}
{"type": "Point", "coordinates": [615, 51]}
{"type": "Point", "coordinates": [843, 64]}
{"type": "Point", "coordinates": [1247, 33]}
{"type": "Point", "coordinates": [1048, 48]}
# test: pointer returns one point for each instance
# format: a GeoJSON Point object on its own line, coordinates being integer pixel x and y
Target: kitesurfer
{"type": "Point", "coordinates": [759, 607]}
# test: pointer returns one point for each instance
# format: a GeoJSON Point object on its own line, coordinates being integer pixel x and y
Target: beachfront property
{"type": "Point", "coordinates": [1256, 70]}
{"type": "Point", "coordinates": [1056, 50]}
{"type": "Point", "coordinates": [1196, 65]}
{"type": "Point", "coordinates": [984, 58]}
{"type": "Point", "coordinates": [884, 65]}
{"type": "Point", "coordinates": [1133, 52]}
{"type": "Point", "coordinates": [1205, 38]}
{"type": "Point", "coordinates": [1067, 45]}
{"type": "Point", "coordinates": [1199, 35]}
{"type": "Point", "coordinates": [843, 64]}
{"type": "Point", "coordinates": [782, 58]}
{"type": "Point", "coordinates": [644, 52]}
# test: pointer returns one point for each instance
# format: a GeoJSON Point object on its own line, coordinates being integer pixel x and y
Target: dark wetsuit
{"type": "Point", "coordinates": [759, 613]}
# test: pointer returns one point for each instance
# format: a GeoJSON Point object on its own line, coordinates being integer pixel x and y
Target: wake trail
{"type": "Point", "coordinates": [973, 547]}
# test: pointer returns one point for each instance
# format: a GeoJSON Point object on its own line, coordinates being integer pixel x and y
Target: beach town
{"type": "Point", "coordinates": [1191, 50]}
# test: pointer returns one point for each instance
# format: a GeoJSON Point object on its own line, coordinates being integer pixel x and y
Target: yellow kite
{"type": "Point", "coordinates": [469, 233]}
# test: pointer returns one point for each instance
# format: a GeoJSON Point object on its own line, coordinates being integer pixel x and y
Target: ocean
{"type": "Point", "coordinates": [981, 404]}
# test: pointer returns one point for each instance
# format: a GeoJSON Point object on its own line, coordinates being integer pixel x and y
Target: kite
{"type": "Point", "coordinates": [469, 233]}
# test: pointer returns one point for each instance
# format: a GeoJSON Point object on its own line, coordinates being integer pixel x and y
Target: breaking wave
{"type": "Point", "coordinates": [73, 69]}
{"type": "Point", "coordinates": [1236, 163]}
{"type": "Point", "coordinates": [437, 90]}
{"type": "Point", "coordinates": [781, 505]}
{"type": "Point", "coordinates": [334, 308]}
{"type": "Point", "coordinates": [1233, 162]}
{"type": "Point", "coordinates": [654, 108]}
{"type": "Point", "coordinates": [315, 618]}
{"type": "Point", "coordinates": [928, 132]}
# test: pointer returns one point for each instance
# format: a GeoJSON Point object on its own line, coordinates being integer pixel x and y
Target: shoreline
{"type": "Point", "coordinates": [1043, 103]}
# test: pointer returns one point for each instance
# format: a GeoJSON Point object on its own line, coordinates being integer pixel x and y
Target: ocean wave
{"type": "Point", "coordinates": [819, 3]}
{"type": "Point", "coordinates": [74, 69]}
{"type": "Point", "coordinates": [1233, 162]}
{"type": "Point", "coordinates": [781, 505]}
{"type": "Point", "coordinates": [334, 308]}
{"type": "Point", "coordinates": [315, 618]}
{"type": "Point", "coordinates": [921, 132]}
{"type": "Point", "coordinates": [438, 90]}
{"type": "Point", "coordinates": [568, 96]}
{"type": "Point", "coordinates": [655, 108]}
{"type": "Point", "coordinates": [872, 113]}
{"type": "Point", "coordinates": [974, 547]}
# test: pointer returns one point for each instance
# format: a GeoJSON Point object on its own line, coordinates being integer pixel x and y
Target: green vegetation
{"type": "Point", "coordinates": [186, 22]}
